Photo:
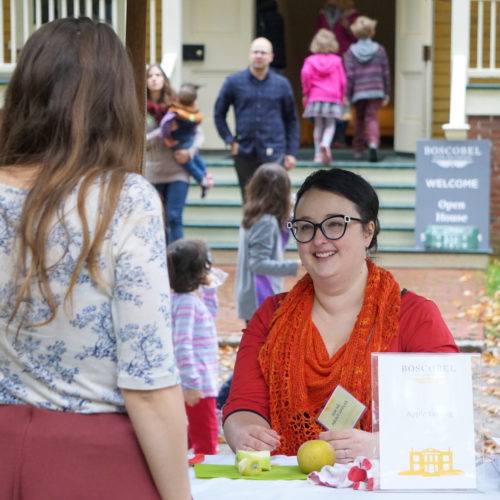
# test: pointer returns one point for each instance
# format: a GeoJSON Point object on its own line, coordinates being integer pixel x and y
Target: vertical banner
{"type": "Point", "coordinates": [425, 414]}
{"type": "Point", "coordinates": [453, 195]}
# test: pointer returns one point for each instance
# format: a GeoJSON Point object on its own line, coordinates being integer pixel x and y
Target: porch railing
{"type": "Point", "coordinates": [19, 18]}
{"type": "Point", "coordinates": [484, 54]}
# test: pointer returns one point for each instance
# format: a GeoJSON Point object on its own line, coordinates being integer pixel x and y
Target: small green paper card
{"type": "Point", "coordinates": [341, 411]}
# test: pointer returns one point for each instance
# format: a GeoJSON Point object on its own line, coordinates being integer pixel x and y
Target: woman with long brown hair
{"type": "Point", "coordinates": [90, 402]}
{"type": "Point", "coordinates": [163, 165]}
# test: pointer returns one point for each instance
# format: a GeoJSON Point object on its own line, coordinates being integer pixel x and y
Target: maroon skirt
{"type": "Point", "coordinates": [52, 455]}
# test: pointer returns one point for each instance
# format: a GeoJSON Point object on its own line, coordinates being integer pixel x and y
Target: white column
{"type": "Point", "coordinates": [151, 58]}
{"type": "Point", "coordinates": [457, 127]}
{"type": "Point", "coordinates": [171, 40]}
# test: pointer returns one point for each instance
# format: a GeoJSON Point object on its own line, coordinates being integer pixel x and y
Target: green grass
{"type": "Point", "coordinates": [493, 277]}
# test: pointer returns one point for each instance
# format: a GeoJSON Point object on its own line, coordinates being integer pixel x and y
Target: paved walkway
{"type": "Point", "coordinates": [452, 290]}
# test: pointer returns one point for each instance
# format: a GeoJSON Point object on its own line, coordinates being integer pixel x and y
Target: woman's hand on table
{"type": "Point", "coordinates": [254, 437]}
{"type": "Point", "coordinates": [246, 430]}
{"type": "Point", "coordinates": [351, 443]}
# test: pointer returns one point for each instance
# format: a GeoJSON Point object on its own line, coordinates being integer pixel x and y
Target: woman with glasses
{"type": "Point", "coordinates": [299, 346]}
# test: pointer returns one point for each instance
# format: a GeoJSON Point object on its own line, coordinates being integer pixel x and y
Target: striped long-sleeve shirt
{"type": "Point", "coordinates": [195, 340]}
{"type": "Point", "coordinates": [367, 71]}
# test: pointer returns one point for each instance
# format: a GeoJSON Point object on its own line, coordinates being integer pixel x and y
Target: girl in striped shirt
{"type": "Point", "coordinates": [195, 339]}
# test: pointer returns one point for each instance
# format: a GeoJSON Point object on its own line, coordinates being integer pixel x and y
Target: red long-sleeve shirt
{"type": "Point", "coordinates": [421, 329]}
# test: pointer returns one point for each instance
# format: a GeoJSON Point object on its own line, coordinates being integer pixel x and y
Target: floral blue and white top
{"type": "Point", "coordinates": [105, 337]}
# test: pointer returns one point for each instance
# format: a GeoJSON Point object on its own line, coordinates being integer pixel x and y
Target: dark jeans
{"type": "Point", "coordinates": [196, 168]}
{"type": "Point", "coordinates": [225, 388]}
{"type": "Point", "coordinates": [245, 166]}
{"type": "Point", "coordinates": [174, 196]}
{"type": "Point", "coordinates": [224, 393]}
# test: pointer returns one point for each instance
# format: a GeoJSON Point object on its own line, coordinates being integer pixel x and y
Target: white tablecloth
{"type": "Point", "coordinates": [243, 489]}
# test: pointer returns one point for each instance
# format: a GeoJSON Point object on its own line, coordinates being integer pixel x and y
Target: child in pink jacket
{"type": "Point", "coordinates": [323, 88]}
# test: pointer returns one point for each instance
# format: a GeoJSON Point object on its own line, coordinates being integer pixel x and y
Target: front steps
{"type": "Point", "coordinates": [217, 217]}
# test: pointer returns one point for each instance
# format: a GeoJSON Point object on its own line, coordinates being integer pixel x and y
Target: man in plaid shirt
{"type": "Point", "coordinates": [267, 128]}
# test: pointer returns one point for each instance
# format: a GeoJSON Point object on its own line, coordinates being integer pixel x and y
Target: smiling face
{"type": "Point", "coordinates": [324, 258]}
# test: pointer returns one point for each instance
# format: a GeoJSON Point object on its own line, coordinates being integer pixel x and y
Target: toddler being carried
{"type": "Point", "coordinates": [178, 128]}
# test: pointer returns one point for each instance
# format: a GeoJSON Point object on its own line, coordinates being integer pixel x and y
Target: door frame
{"type": "Point", "coordinates": [401, 5]}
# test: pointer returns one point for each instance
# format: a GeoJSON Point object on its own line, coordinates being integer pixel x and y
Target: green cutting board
{"type": "Point", "coordinates": [208, 471]}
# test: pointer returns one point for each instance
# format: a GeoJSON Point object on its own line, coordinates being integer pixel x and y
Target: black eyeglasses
{"type": "Point", "coordinates": [333, 228]}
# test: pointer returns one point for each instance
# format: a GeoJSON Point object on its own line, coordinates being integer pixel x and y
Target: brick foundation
{"type": "Point", "coordinates": [488, 127]}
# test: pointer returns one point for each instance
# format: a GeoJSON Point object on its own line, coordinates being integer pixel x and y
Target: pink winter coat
{"type": "Point", "coordinates": [323, 78]}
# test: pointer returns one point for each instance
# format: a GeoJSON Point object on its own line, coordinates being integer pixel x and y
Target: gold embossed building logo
{"type": "Point", "coordinates": [431, 462]}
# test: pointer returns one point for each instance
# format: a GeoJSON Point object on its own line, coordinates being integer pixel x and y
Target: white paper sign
{"type": "Point", "coordinates": [426, 421]}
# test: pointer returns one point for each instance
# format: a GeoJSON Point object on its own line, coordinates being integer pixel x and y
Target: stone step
{"type": "Point", "coordinates": [389, 174]}
{"type": "Point", "coordinates": [217, 235]}
{"type": "Point", "coordinates": [217, 217]}
{"type": "Point", "coordinates": [206, 214]}
{"type": "Point", "coordinates": [230, 192]}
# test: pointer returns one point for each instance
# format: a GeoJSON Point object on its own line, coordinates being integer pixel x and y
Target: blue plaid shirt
{"type": "Point", "coordinates": [266, 120]}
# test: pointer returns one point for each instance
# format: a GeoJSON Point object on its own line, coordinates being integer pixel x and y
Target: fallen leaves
{"type": "Point", "coordinates": [485, 310]}
{"type": "Point", "coordinates": [227, 357]}
{"type": "Point", "coordinates": [489, 358]}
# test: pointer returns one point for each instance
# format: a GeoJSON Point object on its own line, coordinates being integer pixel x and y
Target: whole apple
{"type": "Point", "coordinates": [314, 455]}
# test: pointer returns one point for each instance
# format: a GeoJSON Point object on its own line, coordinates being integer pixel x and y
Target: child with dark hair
{"type": "Point", "coordinates": [195, 339]}
{"type": "Point", "coordinates": [178, 128]}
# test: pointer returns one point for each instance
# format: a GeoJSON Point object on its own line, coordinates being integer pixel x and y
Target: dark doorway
{"type": "Point", "coordinates": [299, 20]}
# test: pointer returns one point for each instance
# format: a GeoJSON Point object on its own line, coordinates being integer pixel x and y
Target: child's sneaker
{"type": "Point", "coordinates": [317, 159]}
{"type": "Point", "coordinates": [206, 184]}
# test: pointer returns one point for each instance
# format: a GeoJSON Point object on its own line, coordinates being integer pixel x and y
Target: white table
{"type": "Point", "coordinates": [246, 489]}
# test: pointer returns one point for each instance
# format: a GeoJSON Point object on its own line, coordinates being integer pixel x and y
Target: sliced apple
{"type": "Point", "coordinates": [263, 457]}
{"type": "Point", "coordinates": [249, 467]}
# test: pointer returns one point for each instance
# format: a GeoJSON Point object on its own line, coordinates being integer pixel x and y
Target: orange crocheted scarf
{"type": "Point", "coordinates": [300, 375]}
